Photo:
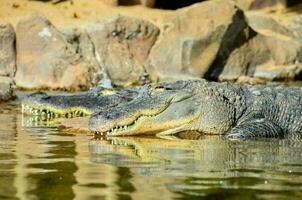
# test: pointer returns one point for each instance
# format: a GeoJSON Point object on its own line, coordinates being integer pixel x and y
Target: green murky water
{"type": "Point", "coordinates": [44, 163]}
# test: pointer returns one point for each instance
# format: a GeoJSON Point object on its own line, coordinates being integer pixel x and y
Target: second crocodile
{"type": "Point", "coordinates": [47, 107]}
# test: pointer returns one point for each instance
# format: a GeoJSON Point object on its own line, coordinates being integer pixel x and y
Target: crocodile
{"type": "Point", "coordinates": [228, 109]}
{"type": "Point", "coordinates": [49, 107]}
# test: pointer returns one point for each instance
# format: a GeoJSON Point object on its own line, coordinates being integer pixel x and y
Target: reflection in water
{"type": "Point", "coordinates": [210, 166]}
{"type": "Point", "coordinates": [7, 157]}
{"type": "Point", "coordinates": [44, 163]}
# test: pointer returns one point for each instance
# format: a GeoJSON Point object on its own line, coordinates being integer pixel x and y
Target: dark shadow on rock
{"type": "Point", "coordinates": [236, 35]}
{"type": "Point", "coordinates": [290, 3]}
{"type": "Point", "coordinates": [298, 77]}
{"type": "Point", "coordinates": [53, 1]}
{"type": "Point", "coordinates": [174, 4]}
{"type": "Point", "coordinates": [260, 4]}
{"type": "Point", "coordinates": [297, 8]}
{"type": "Point", "coordinates": [160, 4]}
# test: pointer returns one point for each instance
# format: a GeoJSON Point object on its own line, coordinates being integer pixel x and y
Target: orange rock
{"type": "Point", "coordinates": [273, 53]}
{"type": "Point", "coordinates": [6, 88]}
{"type": "Point", "coordinates": [50, 59]}
{"type": "Point", "coordinates": [191, 41]}
{"type": "Point", "coordinates": [123, 44]}
{"type": "Point", "coordinates": [7, 50]}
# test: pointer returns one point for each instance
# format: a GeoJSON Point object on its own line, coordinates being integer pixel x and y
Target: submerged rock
{"type": "Point", "coordinates": [6, 88]}
{"type": "Point", "coordinates": [196, 40]}
{"type": "Point", "coordinates": [49, 59]}
{"type": "Point", "coordinates": [7, 50]}
{"type": "Point", "coordinates": [123, 45]}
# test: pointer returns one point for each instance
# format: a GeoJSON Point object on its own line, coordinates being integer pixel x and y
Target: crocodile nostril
{"type": "Point", "coordinates": [45, 98]}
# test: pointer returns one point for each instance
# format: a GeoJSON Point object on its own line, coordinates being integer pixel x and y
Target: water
{"type": "Point", "coordinates": [45, 163]}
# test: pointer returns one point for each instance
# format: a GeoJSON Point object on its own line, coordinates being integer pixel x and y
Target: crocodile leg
{"type": "Point", "coordinates": [254, 128]}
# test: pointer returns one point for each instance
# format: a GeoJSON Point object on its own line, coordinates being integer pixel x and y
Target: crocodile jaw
{"type": "Point", "coordinates": [178, 116]}
{"type": "Point", "coordinates": [50, 112]}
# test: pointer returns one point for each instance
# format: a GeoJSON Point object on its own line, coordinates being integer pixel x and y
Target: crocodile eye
{"type": "Point", "coordinates": [158, 89]}
{"type": "Point", "coordinates": [46, 98]}
{"type": "Point", "coordinates": [161, 88]}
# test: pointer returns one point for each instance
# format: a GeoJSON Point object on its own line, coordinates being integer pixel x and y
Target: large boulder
{"type": "Point", "coordinates": [123, 45]}
{"type": "Point", "coordinates": [49, 59]}
{"type": "Point", "coordinates": [6, 88]}
{"type": "Point", "coordinates": [273, 53]}
{"type": "Point", "coordinates": [197, 40]}
{"type": "Point", "coordinates": [7, 50]}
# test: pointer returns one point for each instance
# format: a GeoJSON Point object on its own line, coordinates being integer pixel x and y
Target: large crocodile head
{"type": "Point", "coordinates": [169, 108]}
{"type": "Point", "coordinates": [48, 107]}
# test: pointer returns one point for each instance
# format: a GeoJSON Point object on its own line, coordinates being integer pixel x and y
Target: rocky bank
{"type": "Point", "coordinates": [61, 47]}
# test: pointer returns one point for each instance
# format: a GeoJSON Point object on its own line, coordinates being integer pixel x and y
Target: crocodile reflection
{"type": "Point", "coordinates": [208, 155]}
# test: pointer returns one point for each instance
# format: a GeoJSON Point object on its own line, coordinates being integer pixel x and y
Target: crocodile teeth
{"type": "Point", "coordinates": [99, 133]}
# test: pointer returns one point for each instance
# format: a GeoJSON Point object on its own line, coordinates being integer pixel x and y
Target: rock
{"type": "Point", "coordinates": [123, 45]}
{"type": "Point", "coordinates": [237, 64]}
{"type": "Point", "coordinates": [243, 60]}
{"type": "Point", "coordinates": [260, 4]}
{"type": "Point", "coordinates": [110, 2]}
{"type": "Point", "coordinates": [197, 40]}
{"type": "Point", "coordinates": [49, 59]}
{"type": "Point", "coordinates": [6, 88]}
{"type": "Point", "coordinates": [242, 80]}
{"type": "Point", "coordinates": [292, 20]}
{"type": "Point", "coordinates": [273, 53]}
{"type": "Point", "coordinates": [266, 25]}
{"type": "Point", "coordinates": [271, 72]}
{"type": "Point", "coordinates": [7, 50]}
